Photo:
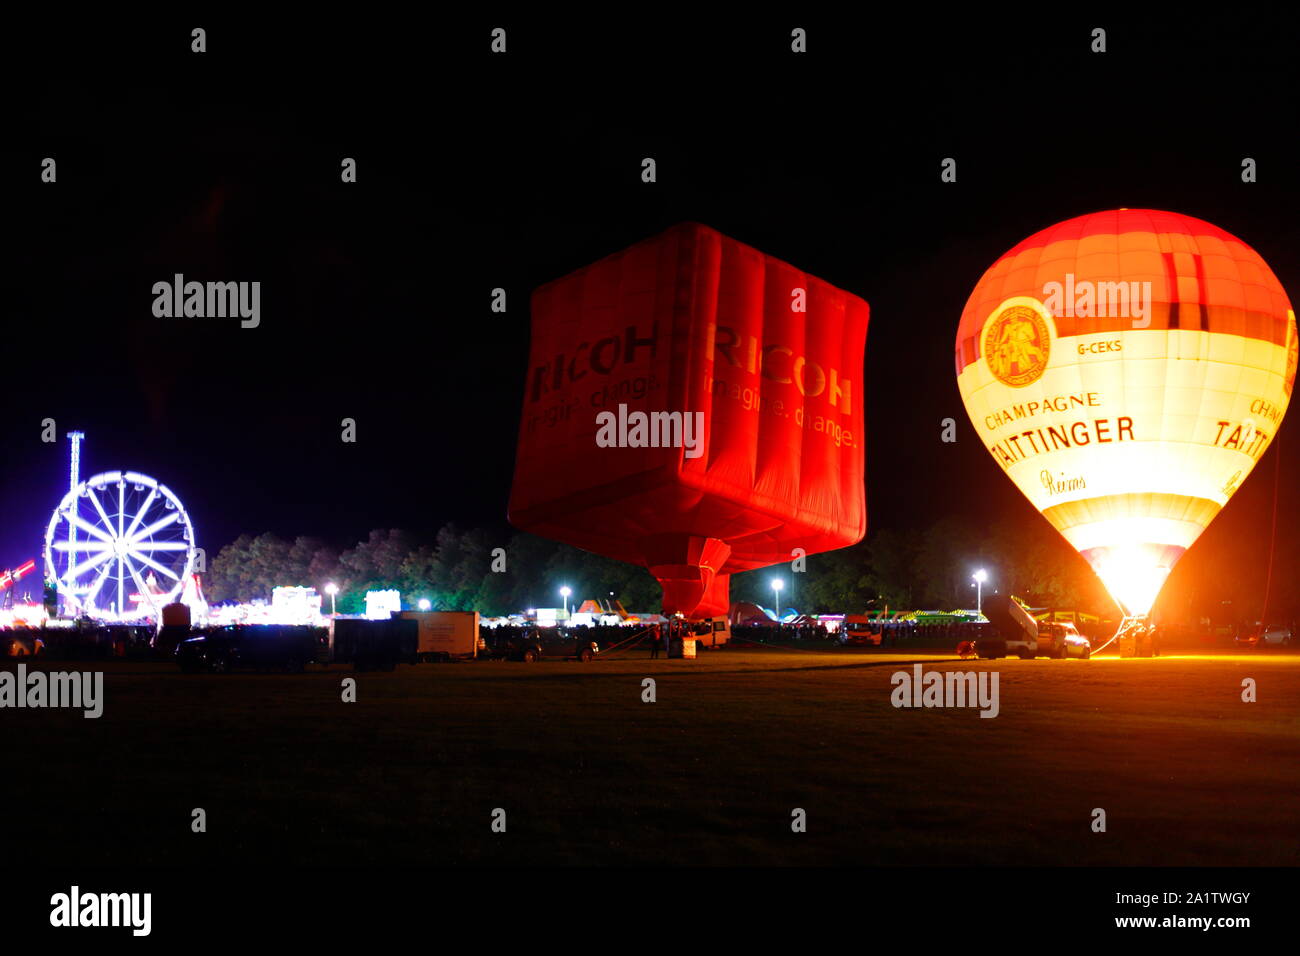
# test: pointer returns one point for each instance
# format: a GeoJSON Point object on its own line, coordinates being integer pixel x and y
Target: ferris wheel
{"type": "Point", "coordinates": [119, 545]}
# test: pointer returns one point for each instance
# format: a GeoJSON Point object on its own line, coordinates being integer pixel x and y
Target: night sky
{"type": "Point", "coordinates": [477, 171]}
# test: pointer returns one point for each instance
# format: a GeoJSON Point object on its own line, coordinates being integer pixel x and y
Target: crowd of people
{"type": "Point", "coordinates": [887, 633]}
{"type": "Point", "coordinates": [84, 641]}
{"type": "Point", "coordinates": [604, 635]}
{"type": "Point", "coordinates": [761, 632]}
{"type": "Point", "coordinates": [943, 633]}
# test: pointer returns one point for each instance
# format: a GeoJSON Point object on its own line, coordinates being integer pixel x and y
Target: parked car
{"type": "Point", "coordinates": [1260, 636]}
{"type": "Point", "coordinates": [570, 645]}
{"type": "Point", "coordinates": [168, 638]}
{"type": "Point", "coordinates": [260, 646]}
{"type": "Point", "coordinates": [859, 631]}
{"type": "Point", "coordinates": [1061, 639]}
{"type": "Point", "coordinates": [534, 644]}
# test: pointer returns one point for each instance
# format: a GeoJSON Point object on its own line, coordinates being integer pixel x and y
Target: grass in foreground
{"type": "Point", "coordinates": [587, 773]}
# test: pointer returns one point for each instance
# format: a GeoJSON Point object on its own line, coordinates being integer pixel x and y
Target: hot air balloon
{"type": "Point", "coordinates": [694, 406]}
{"type": "Point", "coordinates": [1127, 369]}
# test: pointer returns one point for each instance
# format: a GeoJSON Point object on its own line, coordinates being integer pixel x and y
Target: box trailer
{"type": "Point", "coordinates": [447, 635]}
{"type": "Point", "coordinates": [375, 645]}
{"type": "Point", "coordinates": [1016, 630]}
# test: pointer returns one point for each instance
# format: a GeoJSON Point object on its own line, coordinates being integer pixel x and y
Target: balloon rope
{"type": "Point", "coordinates": [618, 646]}
{"type": "Point", "coordinates": [1272, 537]}
{"type": "Point", "coordinates": [1126, 621]}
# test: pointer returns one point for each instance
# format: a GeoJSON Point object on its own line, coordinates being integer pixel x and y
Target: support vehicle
{"type": "Point", "coordinates": [1017, 634]}
{"type": "Point", "coordinates": [859, 630]}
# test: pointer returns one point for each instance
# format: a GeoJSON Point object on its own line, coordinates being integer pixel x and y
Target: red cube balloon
{"type": "Point", "coordinates": [694, 406]}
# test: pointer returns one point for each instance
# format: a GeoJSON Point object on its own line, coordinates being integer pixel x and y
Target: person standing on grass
{"type": "Point", "coordinates": [654, 642]}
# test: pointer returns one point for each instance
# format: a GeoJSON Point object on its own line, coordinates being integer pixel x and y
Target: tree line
{"type": "Point", "coordinates": [497, 574]}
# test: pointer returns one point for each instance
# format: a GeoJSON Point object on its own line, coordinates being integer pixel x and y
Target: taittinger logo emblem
{"type": "Point", "coordinates": [1017, 342]}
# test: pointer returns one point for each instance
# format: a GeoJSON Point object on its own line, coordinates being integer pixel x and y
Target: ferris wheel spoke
{"type": "Point", "coordinates": [103, 515]}
{"type": "Point", "coordinates": [99, 583]}
{"type": "Point", "coordinates": [156, 526]}
{"type": "Point", "coordinates": [75, 546]}
{"type": "Point", "coordinates": [144, 591]}
{"type": "Point", "coordinates": [86, 526]}
{"type": "Point", "coordinates": [76, 571]}
{"type": "Point", "coordinates": [140, 556]}
{"type": "Point", "coordinates": [121, 586]}
{"type": "Point", "coordinates": [139, 515]}
{"type": "Point", "coordinates": [152, 546]}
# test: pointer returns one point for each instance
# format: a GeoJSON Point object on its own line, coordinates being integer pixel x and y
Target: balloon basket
{"type": "Point", "coordinates": [1134, 637]}
{"type": "Point", "coordinates": [682, 648]}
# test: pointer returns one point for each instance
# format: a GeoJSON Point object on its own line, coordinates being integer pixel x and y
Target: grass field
{"type": "Point", "coordinates": [708, 774]}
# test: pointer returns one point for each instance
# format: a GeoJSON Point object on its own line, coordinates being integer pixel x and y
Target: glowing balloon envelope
{"type": "Point", "coordinates": [693, 406]}
{"type": "Point", "coordinates": [1127, 369]}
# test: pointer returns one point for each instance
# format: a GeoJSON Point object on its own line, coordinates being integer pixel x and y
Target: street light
{"type": "Point", "coordinates": [980, 577]}
{"type": "Point", "coordinates": [332, 589]}
{"type": "Point", "coordinates": [777, 584]}
{"type": "Point", "coordinates": [565, 592]}
{"type": "Point", "coordinates": [424, 604]}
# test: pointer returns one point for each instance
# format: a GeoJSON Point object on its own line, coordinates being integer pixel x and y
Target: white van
{"type": "Point", "coordinates": [712, 632]}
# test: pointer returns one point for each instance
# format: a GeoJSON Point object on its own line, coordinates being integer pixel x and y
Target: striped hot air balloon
{"type": "Point", "coordinates": [1127, 369]}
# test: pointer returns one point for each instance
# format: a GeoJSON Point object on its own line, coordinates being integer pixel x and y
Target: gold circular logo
{"type": "Point", "coordinates": [1017, 344]}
